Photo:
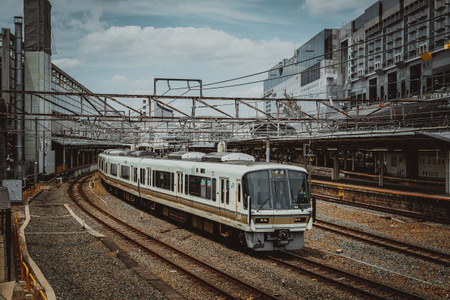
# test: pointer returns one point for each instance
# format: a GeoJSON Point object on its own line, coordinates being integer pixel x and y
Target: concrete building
{"type": "Point", "coordinates": [312, 73]}
{"type": "Point", "coordinates": [397, 49]}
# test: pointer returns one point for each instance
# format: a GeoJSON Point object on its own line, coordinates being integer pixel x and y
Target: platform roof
{"type": "Point", "coordinates": [86, 143]}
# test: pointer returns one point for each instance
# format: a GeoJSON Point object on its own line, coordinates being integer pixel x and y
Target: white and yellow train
{"type": "Point", "coordinates": [264, 205]}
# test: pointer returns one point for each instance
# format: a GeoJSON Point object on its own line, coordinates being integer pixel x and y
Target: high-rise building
{"type": "Point", "coordinates": [396, 49]}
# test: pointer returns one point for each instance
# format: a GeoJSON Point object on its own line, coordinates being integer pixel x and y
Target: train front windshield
{"type": "Point", "coordinates": [275, 189]}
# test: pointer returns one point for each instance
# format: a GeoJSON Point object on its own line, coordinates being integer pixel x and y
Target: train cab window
{"type": "Point", "coordinates": [298, 188]}
{"type": "Point", "coordinates": [142, 176]}
{"type": "Point", "coordinates": [255, 187]}
{"type": "Point", "coordinates": [281, 199]}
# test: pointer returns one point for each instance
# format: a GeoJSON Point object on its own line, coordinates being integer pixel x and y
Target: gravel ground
{"type": "Point", "coordinates": [76, 264]}
{"type": "Point", "coordinates": [79, 260]}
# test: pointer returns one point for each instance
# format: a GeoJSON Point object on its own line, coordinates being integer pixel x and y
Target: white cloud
{"type": "Point", "coordinates": [67, 63]}
{"type": "Point", "coordinates": [195, 45]}
{"type": "Point", "coordinates": [324, 7]}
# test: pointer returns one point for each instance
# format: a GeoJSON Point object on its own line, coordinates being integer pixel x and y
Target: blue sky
{"type": "Point", "coordinates": [119, 46]}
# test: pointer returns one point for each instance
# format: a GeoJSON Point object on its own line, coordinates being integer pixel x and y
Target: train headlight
{"type": "Point", "coordinates": [262, 220]}
{"type": "Point", "coordinates": [299, 220]}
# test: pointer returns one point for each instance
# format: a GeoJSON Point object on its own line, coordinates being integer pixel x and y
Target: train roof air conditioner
{"type": "Point", "coordinates": [227, 156]}
{"type": "Point", "coordinates": [184, 155]}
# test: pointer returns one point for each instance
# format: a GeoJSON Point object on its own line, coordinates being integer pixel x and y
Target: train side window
{"type": "Point", "coordinates": [142, 176]}
{"type": "Point", "coordinates": [203, 188]}
{"type": "Point", "coordinates": [186, 184]}
{"type": "Point", "coordinates": [194, 185]}
{"type": "Point", "coordinates": [225, 191]}
{"type": "Point", "coordinates": [149, 173]}
{"type": "Point", "coordinates": [172, 182]}
{"type": "Point", "coordinates": [239, 192]}
{"type": "Point", "coordinates": [222, 190]}
{"type": "Point", "coordinates": [208, 188]}
{"type": "Point", "coordinates": [135, 175]}
{"type": "Point", "coordinates": [213, 190]}
{"type": "Point", "coordinates": [180, 182]}
{"type": "Point", "coordinates": [113, 170]}
{"type": "Point", "coordinates": [125, 172]}
{"type": "Point", "coordinates": [227, 197]}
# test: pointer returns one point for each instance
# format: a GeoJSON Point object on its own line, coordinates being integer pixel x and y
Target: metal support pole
{"type": "Point", "coordinates": [64, 158]}
{"type": "Point", "coordinates": [447, 172]}
{"type": "Point", "coordinates": [381, 166]}
{"type": "Point", "coordinates": [20, 107]}
{"type": "Point", "coordinates": [36, 151]}
{"type": "Point", "coordinates": [335, 172]}
{"type": "Point", "coordinates": [267, 150]}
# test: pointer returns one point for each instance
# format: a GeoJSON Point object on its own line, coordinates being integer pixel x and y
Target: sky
{"type": "Point", "coordinates": [120, 46]}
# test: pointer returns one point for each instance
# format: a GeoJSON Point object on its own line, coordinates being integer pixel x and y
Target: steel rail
{"type": "Point", "coordinates": [261, 294]}
{"type": "Point", "coordinates": [362, 291]}
{"type": "Point", "coordinates": [391, 244]}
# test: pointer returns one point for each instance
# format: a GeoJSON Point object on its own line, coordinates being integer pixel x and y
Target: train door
{"type": "Point", "coordinates": [224, 200]}
{"type": "Point", "coordinates": [179, 187]}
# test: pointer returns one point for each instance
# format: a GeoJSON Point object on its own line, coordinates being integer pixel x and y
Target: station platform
{"type": "Point", "coordinates": [6, 287]}
{"type": "Point", "coordinates": [418, 202]}
{"type": "Point", "coordinates": [400, 189]}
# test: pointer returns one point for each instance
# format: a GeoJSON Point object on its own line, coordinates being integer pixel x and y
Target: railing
{"type": "Point", "coordinates": [25, 274]}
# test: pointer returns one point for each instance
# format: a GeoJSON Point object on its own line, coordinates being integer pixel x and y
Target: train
{"type": "Point", "coordinates": [263, 206]}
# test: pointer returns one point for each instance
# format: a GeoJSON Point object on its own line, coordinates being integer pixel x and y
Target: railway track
{"type": "Point", "coordinates": [365, 287]}
{"type": "Point", "coordinates": [225, 285]}
{"type": "Point", "coordinates": [394, 245]}
{"type": "Point", "coordinates": [408, 214]}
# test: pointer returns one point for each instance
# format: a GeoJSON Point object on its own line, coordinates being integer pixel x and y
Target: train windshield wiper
{"type": "Point", "coordinates": [264, 203]}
